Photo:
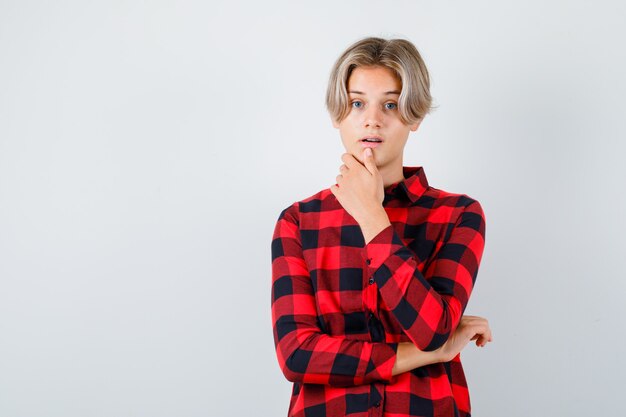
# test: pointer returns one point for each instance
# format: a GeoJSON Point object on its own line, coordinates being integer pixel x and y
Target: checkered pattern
{"type": "Point", "coordinates": [340, 307]}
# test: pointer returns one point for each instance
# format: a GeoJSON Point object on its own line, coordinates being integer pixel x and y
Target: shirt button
{"type": "Point", "coordinates": [377, 404]}
{"type": "Point", "coordinates": [368, 261]}
{"type": "Point", "coordinates": [371, 280]}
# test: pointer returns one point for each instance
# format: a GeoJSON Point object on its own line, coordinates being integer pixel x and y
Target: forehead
{"type": "Point", "coordinates": [373, 80]}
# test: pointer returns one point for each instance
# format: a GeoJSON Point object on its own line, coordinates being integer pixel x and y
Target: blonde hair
{"type": "Point", "coordinates": [401, 57]}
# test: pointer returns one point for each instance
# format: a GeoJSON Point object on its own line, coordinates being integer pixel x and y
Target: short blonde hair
{"type": "Point", "coordinates": [401, 57]}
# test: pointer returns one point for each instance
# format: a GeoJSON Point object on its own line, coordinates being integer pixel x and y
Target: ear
{"type": "Point", "coordinates": [414, 126]}
{"type": "Point", "coordinates": [335, 124]}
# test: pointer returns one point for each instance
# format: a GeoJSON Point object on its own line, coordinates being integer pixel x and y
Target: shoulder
{"type": "Point", "coordinates": [450, 199]}
{"type": "Point", "coordinates": [457, 209]}
{"type": "Point", "coordinates": [321, 201]}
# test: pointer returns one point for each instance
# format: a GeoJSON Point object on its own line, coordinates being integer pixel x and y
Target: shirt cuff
{"type": "Point", "coordinates": [381, 247]}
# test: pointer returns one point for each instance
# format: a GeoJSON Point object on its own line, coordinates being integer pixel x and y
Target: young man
{"type": "Point", "coordinates": [371, 276]}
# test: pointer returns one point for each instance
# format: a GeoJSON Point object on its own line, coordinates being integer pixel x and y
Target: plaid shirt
{"type": "Point", "coordinates": [340, 306]}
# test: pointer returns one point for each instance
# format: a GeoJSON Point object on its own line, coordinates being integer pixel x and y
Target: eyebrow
{"type": "Point", "coordinates": [386, 92]}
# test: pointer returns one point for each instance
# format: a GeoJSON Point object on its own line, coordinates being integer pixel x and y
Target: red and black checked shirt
{"type": "Point", "coordinates": [340, 307]}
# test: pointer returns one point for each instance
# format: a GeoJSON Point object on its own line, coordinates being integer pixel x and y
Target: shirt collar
{"type": "Point", "coordinates": [414, 183]}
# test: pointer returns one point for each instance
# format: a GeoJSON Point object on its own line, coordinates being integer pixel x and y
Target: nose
{"type": "Point", "coordinates": [373, 117]}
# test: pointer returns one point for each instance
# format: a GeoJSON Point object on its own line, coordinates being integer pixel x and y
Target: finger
{"type": "Point", "coordinates": [488, 335]}
{"type": "Point", "coordinates": [482, 336]}
{"type": "Point", "coordinates": [482, 342]}
{"type": "Point", "coordinates": [485, 330]}
{"type": "Point", "coordinates": [479, 330]}
{"type": "Point", "coordinates": [368, 158]}
{"type": "Point", "coordinates": [350, 160]}
{"type": "Point", "coordinates": [479, 322]}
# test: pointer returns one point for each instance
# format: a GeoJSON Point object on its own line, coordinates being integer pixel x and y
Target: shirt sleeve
{"type": "Point", "coordinates": [305, 353]}
{"type": "Point", "coordinates": [429, 305]}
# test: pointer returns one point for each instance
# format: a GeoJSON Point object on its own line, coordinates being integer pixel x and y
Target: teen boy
{"type": "Point", "coordinates": [370, 277]}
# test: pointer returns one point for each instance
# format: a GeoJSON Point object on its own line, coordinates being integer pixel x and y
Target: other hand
{"type": "Point", "coordinates": [469, 328]}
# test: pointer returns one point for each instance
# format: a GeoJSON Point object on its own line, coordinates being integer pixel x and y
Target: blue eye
{"type": "Point", "coordinates": [360, 104]}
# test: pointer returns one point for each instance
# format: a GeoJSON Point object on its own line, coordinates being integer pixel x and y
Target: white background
{"type": "Point", "coordinates": [147, 149]}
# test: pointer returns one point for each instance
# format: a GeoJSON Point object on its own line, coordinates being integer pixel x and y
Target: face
{"type": "Point", "coordinates": [373, 94]}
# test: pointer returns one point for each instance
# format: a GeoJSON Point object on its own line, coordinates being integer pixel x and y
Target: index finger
{"type": "Point", "coordinates": [350, 160]}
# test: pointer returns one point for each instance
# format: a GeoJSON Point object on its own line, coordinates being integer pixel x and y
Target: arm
{"type": "Point", "coordinates": [429, 306]}
{"type": "Point", "coordinates": [306, 354]}
{"type": "Point", "coordinates": [410, 357]}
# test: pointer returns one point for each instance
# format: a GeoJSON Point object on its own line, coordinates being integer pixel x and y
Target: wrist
{"type": "Point", "coordinates": [408, 357]}
{"type": "Point", "coordinates": [373, 223]}
{"type": "Point", "coordinates": [439, 355]}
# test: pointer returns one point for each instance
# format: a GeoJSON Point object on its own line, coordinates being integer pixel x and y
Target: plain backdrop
{"type": "Point", "coordinates": [147, 149]}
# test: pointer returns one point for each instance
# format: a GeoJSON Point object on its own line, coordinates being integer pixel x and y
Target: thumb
{"type": "Point", "coordinates": [368, 158]}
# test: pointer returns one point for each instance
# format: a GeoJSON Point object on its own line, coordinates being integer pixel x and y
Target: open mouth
{"type": "Point", "coordinates": [371, 140]}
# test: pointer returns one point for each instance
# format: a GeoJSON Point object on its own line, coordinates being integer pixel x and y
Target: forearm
{"type": "Point", "coordinates": [409, 357]}
{"type": "Point", "coordinates": [305, 352]}
{"type": "Point", "coordinates": [334, 360]}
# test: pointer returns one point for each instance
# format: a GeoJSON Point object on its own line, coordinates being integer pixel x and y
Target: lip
{"type": "Point", "coordinates": [372, 137]}
{"type": "Point", "coordinates": [371, 144]}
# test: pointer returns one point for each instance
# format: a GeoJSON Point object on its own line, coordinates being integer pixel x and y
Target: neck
{"type": "Point", "coordinates": [391, 174]}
